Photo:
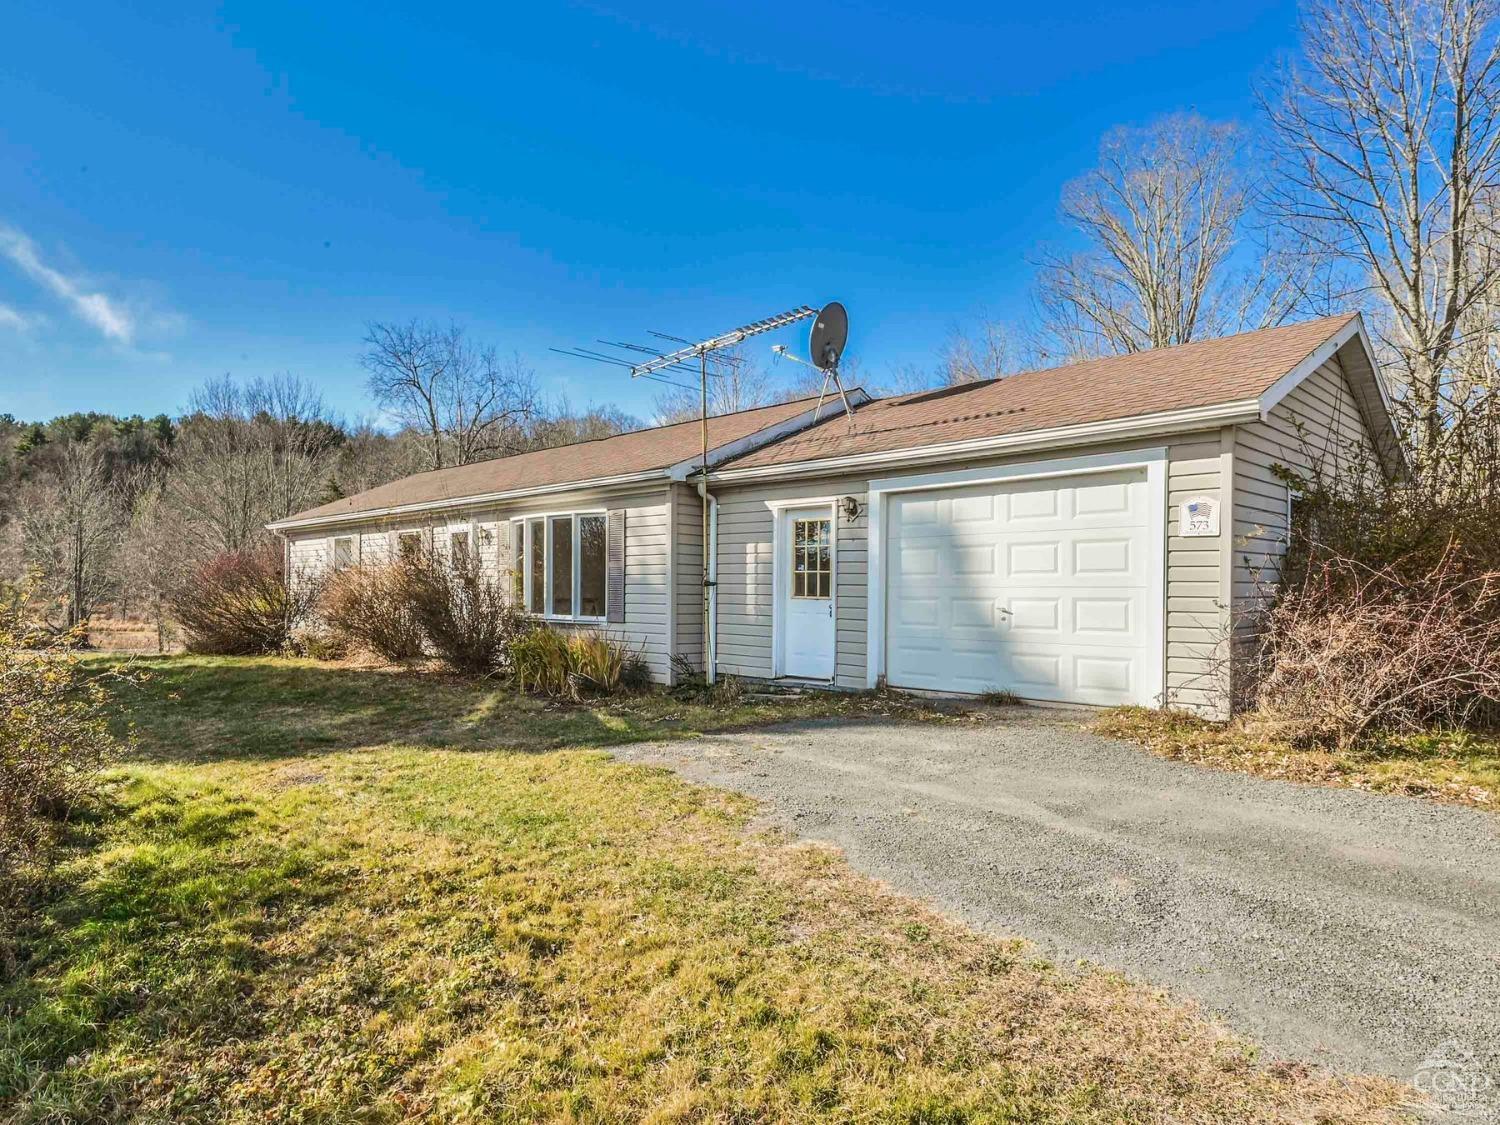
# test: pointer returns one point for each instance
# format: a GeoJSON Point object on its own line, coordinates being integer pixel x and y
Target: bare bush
{"type": "Point", "coordinates": [371, 606]}
{"type": "Point", "coordinates": [54, 741]}
{"type": "Point", "coordinates": [240, 603]}
{"type": "Point", "coordinates": [465, 615]}
{"type": "Point", "coordinates": [1351, 650]}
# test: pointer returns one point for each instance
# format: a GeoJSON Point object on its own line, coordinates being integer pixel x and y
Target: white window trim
{"type": "Point", "coordinates": [423, 534]}
{"type": "Point", "coordinates": [333, 550]}
{"type": "Point", "coordinates": [780, 510]}
{"type": "Point", "coordinates": [1154, 461]}
{"type": "Point", "coordinates": [577, 515]}
{"type": "Point", "coordinates": [465, 528]}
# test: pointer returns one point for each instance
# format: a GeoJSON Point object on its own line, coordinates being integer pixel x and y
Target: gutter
{"type": "Point", "coordinates": [710, 585]}
{"type": "Point", "coordinates": [477, 500]}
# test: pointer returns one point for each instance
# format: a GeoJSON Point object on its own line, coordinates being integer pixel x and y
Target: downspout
{"type": "Point", "coordinates": [710, 583]}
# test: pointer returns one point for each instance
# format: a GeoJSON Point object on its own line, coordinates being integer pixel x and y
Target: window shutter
{"type": "Point", "coordinates": [615, 550]}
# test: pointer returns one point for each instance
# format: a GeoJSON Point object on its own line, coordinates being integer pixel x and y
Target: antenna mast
{"type": "Point", "coordinates": [705, 352]}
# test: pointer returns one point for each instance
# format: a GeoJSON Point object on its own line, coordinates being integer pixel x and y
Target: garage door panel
{"type": "Point", "coordinates": [1112, 556]}
{"type": "Point", "coordinates": [1031, 560]}
{"type": "Point", "coordinates": [1042, 588]}
{"type": "Point", "coordinates": [1105, 617]}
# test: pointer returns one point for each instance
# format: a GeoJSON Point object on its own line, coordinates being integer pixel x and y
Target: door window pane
{"type": "Point", "coordinates": [561, 548]}
{"type": "Point", "coordinates": [409, 545]}
{"type": "Point", "coordinates": [812, 559]}
{"type": "Point", "coordinates": [458, 549]}
{"type": "Point", "coordinates": [518, 563]}
{"type": "Point", "coordinates": [537, 566]}
{"type": "Point", "coordinates": [593, 567]}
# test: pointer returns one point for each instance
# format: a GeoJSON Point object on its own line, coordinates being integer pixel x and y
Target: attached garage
{"type": "Point", "coordinates": [1045, 579]}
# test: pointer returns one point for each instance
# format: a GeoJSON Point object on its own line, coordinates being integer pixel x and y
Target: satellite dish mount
{"type": "Point", "coordinates": [830, 332]}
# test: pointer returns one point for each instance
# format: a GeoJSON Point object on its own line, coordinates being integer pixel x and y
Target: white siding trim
{"type": "Point", "coordinates": [1154, 461]}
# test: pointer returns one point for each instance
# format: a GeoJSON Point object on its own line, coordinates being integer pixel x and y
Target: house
{"type": "Point", "coordinates": [1084, 534]}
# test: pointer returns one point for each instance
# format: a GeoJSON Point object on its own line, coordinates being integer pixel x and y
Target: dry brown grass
{"type": "Point", "coordinates": [1454, 766]}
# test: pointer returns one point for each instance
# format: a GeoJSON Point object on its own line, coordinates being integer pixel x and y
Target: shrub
{"type": "Point", "coordinates": [239, 603]}
{"type": "Point", "coordinates": [54, 742]}
{"type": "Point", "coordinates": [574, 664]}
{"type": "Point", "coordinates": [1350, 649]}
{"type": "Point", "coordinates": [463, 613]}
{"type": "Point", "coordinates": [317, 642]}
{"type": "Point", "coordinates": [371, 607]}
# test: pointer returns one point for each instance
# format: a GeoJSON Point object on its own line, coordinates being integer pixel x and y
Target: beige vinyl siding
{"type": "Point", "coordinates": [646, 554]}
{"type": "Point", "coordinates": [1314, 431]}
{"type": "Point", "coordinates": [746, 600]}
{"type": "Point", "coordinates": [687, 578]}
{"type": "Point", "coordinates": [1197, 618]}
{"type": "Point", "coordinates": [1196, 612]}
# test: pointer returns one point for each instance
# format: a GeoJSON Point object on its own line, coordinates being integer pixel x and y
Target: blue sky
{"type": "Point", "coordinates": [189, 191]}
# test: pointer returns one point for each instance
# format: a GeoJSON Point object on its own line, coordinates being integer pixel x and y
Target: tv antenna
{"type": "Point", "coordinates": [830, 332]}
{"type": "Point", "coordinates": [710, 361]}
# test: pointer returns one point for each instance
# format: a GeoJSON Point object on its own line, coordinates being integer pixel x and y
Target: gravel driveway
{"type": "Point", "coordinates": [1361, 931]}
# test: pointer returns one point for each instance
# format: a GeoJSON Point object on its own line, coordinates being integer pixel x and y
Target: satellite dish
{"type": "Point", "coordinates": [830, 333]}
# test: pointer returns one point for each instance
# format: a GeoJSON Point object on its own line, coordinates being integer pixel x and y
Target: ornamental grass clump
{"type": "Point", "coordinates": [573, 665]}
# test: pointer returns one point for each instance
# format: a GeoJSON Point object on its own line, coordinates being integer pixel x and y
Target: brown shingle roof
{"type": "Point", "coordinates": [1210, 373]}
{"type": "Point", "coordinates": [638, 451]}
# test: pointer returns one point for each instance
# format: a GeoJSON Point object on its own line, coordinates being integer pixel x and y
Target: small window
{"type": "Point", "coordinates": [458, 550]}
{"type": "Point", "coordinates": [561, 549]}
{"type": "Point", "coordinates": [536, 537]}
{"type": "Point", "coordinates": [343, 553]}
{"type": "Point", "coordinates": [517, 563]}
{"type": "Point", "coordinates": [593, 566]}
{"type": "Point", "coordinates": [409, 545]}
{"type": "Point", "coordinates": [812, 559]}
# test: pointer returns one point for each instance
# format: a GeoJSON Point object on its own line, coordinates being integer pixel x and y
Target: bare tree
{"type": "Point", "coordinates": [248, 454]}
{"type": "Point", "coordinates": [1387, 148]}
{"type": "Point", "coordinates": [152, 558]}
{"type": "Point", "coordinates": [559, 424]}
{"type": "Point", "coordinates": [735, 382]}
{"type": "Point", "coordinates": [1162, 217]}
{"type": "Point", "coordinates": [984, 351]}
{"type": "Point", "coordinates": [71, 528]}
{"type": "Point", "coordinates": [467, 404]}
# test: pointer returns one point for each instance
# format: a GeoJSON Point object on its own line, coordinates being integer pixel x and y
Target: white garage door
{"type": "Point", "coordinates": [1042, 587]}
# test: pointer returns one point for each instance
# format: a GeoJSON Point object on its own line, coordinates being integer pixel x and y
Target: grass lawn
{"type": "Point", "coordinates": [1458, 767]}
{"type": "Point", "coordinates": [334, 895]}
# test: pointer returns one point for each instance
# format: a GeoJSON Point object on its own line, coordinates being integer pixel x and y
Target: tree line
{"type": "Point", "coordinates": [97, 509]}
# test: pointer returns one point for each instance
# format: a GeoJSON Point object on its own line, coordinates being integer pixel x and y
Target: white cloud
{"type": "Point", "coordinates": [105, 314]}
{"type": "Point", "coordinates": [14, 318]}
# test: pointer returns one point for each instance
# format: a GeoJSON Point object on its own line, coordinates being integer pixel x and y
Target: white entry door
{"type": "Point", "coordinates": [1043, 588]}
{"type": "Point", "coordinates": [806, 584]}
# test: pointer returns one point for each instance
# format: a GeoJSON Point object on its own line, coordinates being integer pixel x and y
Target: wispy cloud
{"type": "Point", "coordinates": [96, 309]}
{"type": "Point", "coordinates": [14, 318]}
